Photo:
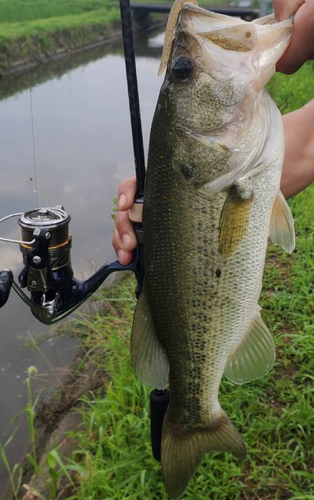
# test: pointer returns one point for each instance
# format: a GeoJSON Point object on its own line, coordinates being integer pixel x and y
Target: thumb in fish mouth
{"type": "Point", "coordinates": [284, 9]}
{"type": "Point", "coordinates": [255, 45]}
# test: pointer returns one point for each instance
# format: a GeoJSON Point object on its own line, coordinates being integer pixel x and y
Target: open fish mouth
{"type": "Point", "coordinates": [225, 46]}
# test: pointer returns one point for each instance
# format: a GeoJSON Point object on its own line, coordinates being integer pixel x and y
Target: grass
{"type": "Point", "coordinates": [15, 11]}
{"type": "Point", "coordinates": [42, 38]}
{"type": "Point", "coordinates": [31, 30]}
{"type": "Point", "coordinates": [275, 415]}
{"type": "Point", "coordinates": [12, 11]}
{"type": "Point", "coordinates": [12, 31]}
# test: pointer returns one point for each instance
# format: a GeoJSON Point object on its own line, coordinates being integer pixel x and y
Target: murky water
{"type": "Point", "coordinates": [83, 149]}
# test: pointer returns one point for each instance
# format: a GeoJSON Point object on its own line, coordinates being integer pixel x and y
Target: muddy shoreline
{"type": "Point", "coordinates": [55, 417]}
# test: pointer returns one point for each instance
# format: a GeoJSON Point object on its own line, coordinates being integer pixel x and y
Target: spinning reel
{"type": "Point", "coordinates": [47, 273]}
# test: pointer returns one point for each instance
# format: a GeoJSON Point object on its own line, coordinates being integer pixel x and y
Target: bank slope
{"type": "Point", "coordinates": [32, 42]}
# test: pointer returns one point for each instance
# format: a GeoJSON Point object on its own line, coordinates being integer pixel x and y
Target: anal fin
{"type": "Point", "coordinates": [281, 229]}
{"type": "Point", "coordinates": [148, 357]}
{"type": "Point", "coordinates": [255, 355]}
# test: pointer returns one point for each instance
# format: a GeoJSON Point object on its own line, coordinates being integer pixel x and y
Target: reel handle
{"type": "Point", "coordinates": [6, 280]}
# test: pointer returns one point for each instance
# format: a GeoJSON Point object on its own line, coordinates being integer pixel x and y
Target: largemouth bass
{"type": "Point", "coordinates": [211, 201]}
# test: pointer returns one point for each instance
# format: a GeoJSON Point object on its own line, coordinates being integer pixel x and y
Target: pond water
{"type": "Point", "coordinates": [82, 149]}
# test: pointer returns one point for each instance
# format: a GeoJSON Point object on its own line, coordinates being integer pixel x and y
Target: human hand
{"type": "Point", "coordinates": [301, 47]}
{"type": "Point", "coordinates": [298, 167]}
{"type": "Point", "coordinates": [124, 239]}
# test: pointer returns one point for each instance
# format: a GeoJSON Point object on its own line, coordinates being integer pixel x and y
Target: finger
{"type": "Point", "coordinates": [126, 193]}
{"type": "Point", "coordinates": [286, 8]}
{"type": "Point", "coordinates": [126, 232]}
{"type": "Point", "coordinates": [301, 47]}
{"type": "Point", "coordinates": [124, 256]}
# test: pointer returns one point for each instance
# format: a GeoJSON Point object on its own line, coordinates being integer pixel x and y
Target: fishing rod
{"type": "Point", "coordinates": [159, 399]}
{"type": "Point", "coordinates": [45, 244]}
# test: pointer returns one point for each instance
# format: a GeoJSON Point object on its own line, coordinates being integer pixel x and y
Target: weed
{"type": "Point", "coordinates": [112, 458]}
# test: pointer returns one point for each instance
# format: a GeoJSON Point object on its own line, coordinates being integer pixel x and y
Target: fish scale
{"type": "Point", "coordinates": [211, 200]}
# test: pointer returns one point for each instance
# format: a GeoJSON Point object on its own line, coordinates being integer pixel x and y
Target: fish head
{"type": "Point", "coordinates": [218, 63]}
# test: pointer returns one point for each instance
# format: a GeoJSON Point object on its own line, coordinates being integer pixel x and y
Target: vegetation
{"type": "Point", "coordinates": [32, 30]}
{"type": "Point", "coordinates": [13, 11]}
{"type": "Point", "coordinates": [275, 415]}
{"type": "Point", "coordinates": [39, 39]}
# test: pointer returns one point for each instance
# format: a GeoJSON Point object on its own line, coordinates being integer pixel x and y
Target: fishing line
{"type": "Point", "coordinates": [33, 137]}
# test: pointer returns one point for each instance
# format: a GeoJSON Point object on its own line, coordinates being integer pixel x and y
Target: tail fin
{"type": "Point", "coordinates": [183, 450]}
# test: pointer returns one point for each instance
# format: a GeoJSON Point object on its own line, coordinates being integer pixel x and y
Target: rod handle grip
{"type": "Point", "coordinates": [159, 401]}
{"type": "Point", "coordinates": [6, 280]}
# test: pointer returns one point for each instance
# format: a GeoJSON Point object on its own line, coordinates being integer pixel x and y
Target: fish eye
{"type": "Point", "coordinates": [182, 68]}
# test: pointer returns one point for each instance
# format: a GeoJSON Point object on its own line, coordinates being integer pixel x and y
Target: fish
{"type": "Point", "coordinates": [211, 201]}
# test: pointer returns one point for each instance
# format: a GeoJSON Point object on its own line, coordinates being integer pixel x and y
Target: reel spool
{"type": "Point", "coordinates": [56, 223]}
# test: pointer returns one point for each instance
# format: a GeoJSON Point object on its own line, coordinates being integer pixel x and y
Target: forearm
{"type": "Point", "coordinates": [298, 169]}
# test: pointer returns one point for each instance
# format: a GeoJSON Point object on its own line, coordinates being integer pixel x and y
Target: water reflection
{"type": "Point", "coordinates": [83, 150]}
{"type": "Point", "coordinates": [147, 44]}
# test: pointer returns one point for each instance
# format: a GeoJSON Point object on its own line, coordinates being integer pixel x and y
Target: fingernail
{"type": "Point", "coordinates": [126, 240]}
{"type": "Point", "coordinates": [122, 200]}
{"type": "Point", "coordinates": [121, 254]}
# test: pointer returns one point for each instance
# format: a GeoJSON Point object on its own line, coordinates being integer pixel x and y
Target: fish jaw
{"type": "Point", "coordinates": [232, 60]}
{"type": "Point", "coordinates": [233, 47]}
{"type": "Point", "coordinates": [214, 114]}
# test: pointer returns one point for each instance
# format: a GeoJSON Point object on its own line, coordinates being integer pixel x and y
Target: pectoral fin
{"type": "Point", "coordinates": [234, 222]}
{"type": "Point", "coordinates": [255, 355]}
{"type": "Point", "coordinates": [148, 357]}
{"type": "Point", "coordinates": [281, 229]}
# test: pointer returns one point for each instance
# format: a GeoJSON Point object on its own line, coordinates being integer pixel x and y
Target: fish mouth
{"type": "Point", "coordinates": [230, 46]}
{"type": "Point", "coordinates": [230, 33]}
{"type": "Point", "coordinates": [223, 45]}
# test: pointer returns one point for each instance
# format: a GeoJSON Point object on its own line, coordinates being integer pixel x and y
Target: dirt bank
{"type": "Point", "coordinates": [20, 54]}
{"type": "Point", "coordinates": [27, 52]}
{"type": "Point", "coordinates": [55, 417]}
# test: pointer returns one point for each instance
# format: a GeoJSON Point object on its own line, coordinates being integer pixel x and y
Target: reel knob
{"type": "Point", "coordinates": [6, 280]}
